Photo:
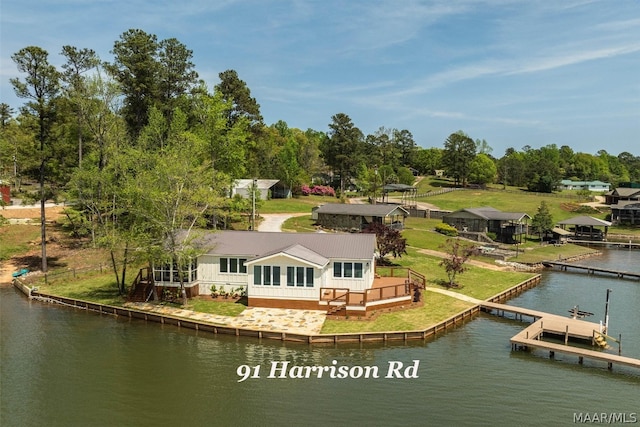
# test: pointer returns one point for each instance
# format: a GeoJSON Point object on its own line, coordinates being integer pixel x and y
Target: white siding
{"type": "Point", "coordinates": [209, 274]}
{"type": "Point", "coordinates": [284, 291]}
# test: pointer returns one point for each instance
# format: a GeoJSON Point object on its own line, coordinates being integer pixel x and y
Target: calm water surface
{"type": "Point", "coordinates": [66, 367]}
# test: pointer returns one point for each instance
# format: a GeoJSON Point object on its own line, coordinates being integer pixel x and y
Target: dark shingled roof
{"type": "Point", "coordinates": [490, 213]}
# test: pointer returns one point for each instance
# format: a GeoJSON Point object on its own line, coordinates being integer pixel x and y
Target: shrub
{"type": "Point", "coordinates": [317, 190]}
{"type": "Point", "coordinates": [446, 229]}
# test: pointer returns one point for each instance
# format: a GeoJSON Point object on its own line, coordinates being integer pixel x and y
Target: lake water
{"type": "Point", "coordinates": [67, 367]}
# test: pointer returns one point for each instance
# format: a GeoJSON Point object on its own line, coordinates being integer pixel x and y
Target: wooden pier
{"type": "Point", "coordinates": [563, 327]}
{"type": "Point", "coordinates": [591, 270]}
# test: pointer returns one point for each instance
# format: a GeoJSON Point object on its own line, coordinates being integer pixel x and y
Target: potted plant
{"type": "Point", "coordinates": [214, 291]}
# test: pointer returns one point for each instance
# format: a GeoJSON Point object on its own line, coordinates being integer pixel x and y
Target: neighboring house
{"type": "Point", "coordinates": [509, 227]}
{"type": "Point", "coordinates": [586, 227]}
{"type": "Point", "coordinates": [626, 212]}
{"type": "Point", "coordinates": [292, 270]}
{"type": "Point", "coordinates": [340, 216]}
{"type": "Point", "coordinates": [5, 193]}
{"type": "Point", "coordinates": [267, 188]}
{"type": "Point", "coordinates": [567, 184]}
{"type": "Point", "coordinates": [622, 194]}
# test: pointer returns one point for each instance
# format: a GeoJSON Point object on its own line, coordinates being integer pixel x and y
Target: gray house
{"type": "Point", "coordinates": [339, 216]}
{"type": "Point", "coordinates": [509, 227]}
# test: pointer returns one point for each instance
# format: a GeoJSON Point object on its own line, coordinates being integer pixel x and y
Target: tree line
{"type": "Point", "coordinates": [143, 147]}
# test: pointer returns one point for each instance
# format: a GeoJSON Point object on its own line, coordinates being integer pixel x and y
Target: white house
{"type": "Point", "coordinates": [567, 184]}
{"type": "Point", "coordinates": [244, 187]}
{"type": "Point", "coordinates": [292, 270]}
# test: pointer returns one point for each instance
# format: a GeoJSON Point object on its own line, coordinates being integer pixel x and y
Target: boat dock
{"type": "Point", "coordinates": [568, 328]}
{"type": "Point", "coordinates": [591, 270]}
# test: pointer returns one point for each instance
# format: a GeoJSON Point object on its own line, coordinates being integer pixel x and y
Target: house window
{"type": "Point", "coordinates": [291, 276]}
{"type": "Point", "coordinates": [309, 277]}
{"type": "Point", "coordinates": [300, 276]}
{"type": "Point", "coordinates": [266, 275]}
{"type": "Point", "coordinates": [337, 269]}
{"type": "Point", "coordinates": [348, 269]}
{"type": "Point", "coordinates": [233, 265]}
{"type": "Point", "coordinates": [257, 275]}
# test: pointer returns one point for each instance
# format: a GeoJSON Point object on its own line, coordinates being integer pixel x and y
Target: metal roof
{"type": "Point", "coordinates": [362, 210]}
{"type": "Point", "coordinates": [260, 183]}
{"type": "Point", "coordinates": [296, 251]}
{"type": "Point", "coordinates": [585, 220]}
{"type": "Point", "coordinates": [252, 244]}
{"type": "Point", "coordinates": [490, 213]}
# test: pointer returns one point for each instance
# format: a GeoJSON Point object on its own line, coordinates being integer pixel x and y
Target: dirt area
{"type": "Point", "coordinates": [52, 213]}
{"type": "Point", "coordinates": [61, 251]}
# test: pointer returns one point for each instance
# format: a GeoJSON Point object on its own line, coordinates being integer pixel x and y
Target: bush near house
{"type": "Point", "coordinates": [446, 229]}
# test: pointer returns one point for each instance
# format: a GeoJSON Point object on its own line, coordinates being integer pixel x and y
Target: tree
{"type": "Point", "coordinates": [177, 74]}
{"type": "Point", "coordinates": [542, 221]}
{"type": "Point", "coordinates": [136, 69]}
{"type": "Point", "coordinates": [389, 240]}
{"type": "Point", "coordinates": [482, 170]}
{"type": "Point", "coordinates": [454, 263]}
{"type": "Point", "coordinates": [79, 61]}
{"type": "Point", "coordinates": [342, 150]}
{"type": "Point", "coordinates": [459, 151]}
{"type": "Point", "coordinates": [42, 88]}
{"type": "Point", "coordinates": [427, 160]}
{"type": "Point", "coordinates": [237, 93]}
{"type": "Point", "coordinates": [403, 139]}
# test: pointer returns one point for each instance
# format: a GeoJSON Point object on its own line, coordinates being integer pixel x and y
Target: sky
{"type": "Point", "coordinates": [515, 73]}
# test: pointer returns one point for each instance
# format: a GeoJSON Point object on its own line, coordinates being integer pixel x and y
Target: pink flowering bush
{"type": "Point", "coordinates": [317, 190]}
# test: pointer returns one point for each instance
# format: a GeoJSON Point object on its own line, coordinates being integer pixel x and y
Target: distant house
{"type": "Point", "coordinates": [267, 188]}
{"type": "Point", "coordinates": [292, 270]}
{"type": "Point", "coordinates": [509, 227]}
{"type": "Point", "coordinates": [622, 194]}
{"type": "Point", "coordinates": [5, 193]}
{"type": "Point", "coordinates": [339, 216]}
{"type": "Point", "coordinates": [626, 212]}
{"type": "Point", "coordinates": [586, 227]}
{"type": "Point", "coordinates": [567, 184]}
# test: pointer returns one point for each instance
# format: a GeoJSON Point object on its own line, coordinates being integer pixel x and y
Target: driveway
{"type": "Point", "coordinates": [273, 222]}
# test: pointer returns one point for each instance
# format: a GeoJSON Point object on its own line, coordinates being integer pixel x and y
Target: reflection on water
{"type": "Point", "coordinates": [63, 366]}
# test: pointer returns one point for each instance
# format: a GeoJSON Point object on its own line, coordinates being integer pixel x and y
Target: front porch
{"type": "Point", "coordinates": [392, 286]}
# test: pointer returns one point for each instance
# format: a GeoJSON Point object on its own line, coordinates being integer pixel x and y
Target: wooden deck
{"type": "Point", "coordinates": [563, 327]}
{"type": "Point", "coordinates": [592, 270]}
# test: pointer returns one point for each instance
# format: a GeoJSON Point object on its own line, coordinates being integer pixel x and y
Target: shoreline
{"type": "Point", "coordinates": [191, 323]}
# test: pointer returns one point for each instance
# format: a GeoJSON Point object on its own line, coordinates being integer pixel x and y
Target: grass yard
{"type": "Point", "coordinates": [204, 305]}
{"type": "Point", "coordinates": [512, 201]}
{"type": "Point", "coordinates": [300, 224]}
{"type": "Point", "coordinates": [476, 282]}
{"type": "Point", "coordinates": [16, 239]}
{"type": "Point", "coordinates": [99, 288]}
{"type": "Point", "coordinates": [295, 204]}
{"type": "Point", "coordinates": [437, 307]}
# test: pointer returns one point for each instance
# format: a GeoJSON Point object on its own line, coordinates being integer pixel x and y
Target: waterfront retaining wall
{"type": "Point", "coordinates": [432, 331]}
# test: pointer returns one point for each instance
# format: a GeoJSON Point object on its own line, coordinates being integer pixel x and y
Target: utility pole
{"type": "Point", "coordinates": [253, 204]}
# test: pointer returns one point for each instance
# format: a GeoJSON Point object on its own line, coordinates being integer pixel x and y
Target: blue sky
{"type": "Point", "coordinates": [514, 73]}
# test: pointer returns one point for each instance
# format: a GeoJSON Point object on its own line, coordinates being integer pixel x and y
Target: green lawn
{"type": "Point", "coordinates": [512, 201]}
{"type": "Point", "coordinates": [436, 308]}
{"type": "Point", "coordinates": [300, 224]}
{"type": "Point", "coordinates": [295, 204]}
{"type": "Point", "coordinates": [16, 239]}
